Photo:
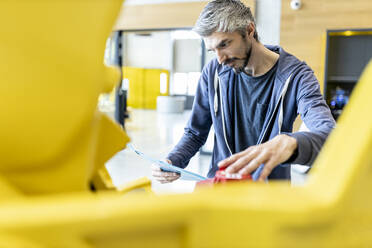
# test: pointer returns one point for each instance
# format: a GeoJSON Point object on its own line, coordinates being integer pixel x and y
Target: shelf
{"type": "Point", "coordinates": [343, 79]}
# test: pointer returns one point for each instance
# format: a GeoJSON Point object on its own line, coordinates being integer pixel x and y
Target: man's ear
{"type": "Point", "coordinates": [251, 29]}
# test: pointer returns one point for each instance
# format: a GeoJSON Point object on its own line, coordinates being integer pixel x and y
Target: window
{"type": "Point", "coordinates": [185, 83]}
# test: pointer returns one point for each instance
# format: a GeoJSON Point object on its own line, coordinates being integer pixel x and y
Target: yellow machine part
{"type": "Point", "coordinates": [332, 210]}
{"type": "Point", "coordinates": [53, 139]}
{"type": "Point", "coordinates": [136, 89]}
{"type": "Point", "coordinates": [144, 86]}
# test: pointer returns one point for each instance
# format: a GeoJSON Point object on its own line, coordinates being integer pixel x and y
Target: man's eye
{"type": "Point", "coordinates": [224, 45]}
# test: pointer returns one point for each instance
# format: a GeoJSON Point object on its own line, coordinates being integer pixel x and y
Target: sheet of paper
{"type": "Point", "coordinates": [185, 175]}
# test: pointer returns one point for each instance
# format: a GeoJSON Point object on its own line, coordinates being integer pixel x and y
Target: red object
{"type": "Point", "coordinates": [222, 177]}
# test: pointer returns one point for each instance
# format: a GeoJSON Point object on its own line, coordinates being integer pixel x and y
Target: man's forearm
{"type": "Point", "coordinates": [309, 145]}
{"type": "Point", "coordinates": [186, 148]}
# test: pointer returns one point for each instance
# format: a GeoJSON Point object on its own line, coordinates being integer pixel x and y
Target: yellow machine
{"type": "Point", "coordinates": [53, 143]}
{"type": "Point", "coordinates": [145, 85]}
{"type": "Point", "coordinates": [53, 139]}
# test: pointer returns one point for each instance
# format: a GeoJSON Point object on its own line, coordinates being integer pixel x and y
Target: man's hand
{"type": "Point", "coordinates": [271, 154]}
{"type": "Point", "coordinates": [162, 176]}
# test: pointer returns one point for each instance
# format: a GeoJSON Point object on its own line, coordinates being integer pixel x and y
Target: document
{"type": "Point", "coordinates": [185, 175]}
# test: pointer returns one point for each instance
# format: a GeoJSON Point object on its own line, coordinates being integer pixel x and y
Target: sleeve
{"type": "Point", "coordinates": [197, 128]}
{"type": "Point", "coordinates": [316, 115]}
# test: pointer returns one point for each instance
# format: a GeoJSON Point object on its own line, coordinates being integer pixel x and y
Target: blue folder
{"type": "Point", "coordinates": [185, 175]}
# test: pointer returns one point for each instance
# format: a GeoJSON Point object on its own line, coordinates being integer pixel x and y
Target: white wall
{"type": "Point", "coordinates": [153, 51]}
{"type": "Point", "coordinates": [187, 55]}
{"type": "Point", "coordinates": [268, 21]}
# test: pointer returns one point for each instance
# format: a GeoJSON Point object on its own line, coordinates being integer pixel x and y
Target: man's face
{"type": "Point", "coordinates": [231, 49]}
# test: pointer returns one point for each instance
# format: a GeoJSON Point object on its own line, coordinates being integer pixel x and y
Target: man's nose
{"type": "Point", "coordinates": [221, 57]}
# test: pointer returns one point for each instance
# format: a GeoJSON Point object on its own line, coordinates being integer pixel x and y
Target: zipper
{"type": "Point", "coordinates": [216, 87]}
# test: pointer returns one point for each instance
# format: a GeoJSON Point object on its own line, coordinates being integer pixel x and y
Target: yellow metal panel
{"type": "Point", "coordinates": [45, 70]}
{"type": "Point", "coordinates": [8, 191]}
{"type": "Point", "coordinates": [52, 73]}
{"type": "Point", "coordinates": [152, 87]}
{"type": "Point", "coordinates": [332, 210]}
{"type": "Point", "coordinates": [142, 184]}
{"type": "Point", "coordinates": [110, 140]}
{"type": "Point", "coordinates": [135, 76]}
{"type": "Point", "coordinates": [144, 86]}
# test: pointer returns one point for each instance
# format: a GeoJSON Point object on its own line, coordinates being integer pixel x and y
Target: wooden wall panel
{"type": "Point", "coordinates": [302, 32]}
{"type": "Point", "coordinates": [163, 16]}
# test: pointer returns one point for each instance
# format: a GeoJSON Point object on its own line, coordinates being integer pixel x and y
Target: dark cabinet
{"type": "Point", "coordinates": [347, 53]}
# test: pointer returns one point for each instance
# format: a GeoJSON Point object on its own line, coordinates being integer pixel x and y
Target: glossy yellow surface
{"type": "Point", "coordinates": [144, 86]}
{"type": "Point", "coordinates": [332, 210]}
{"type": "Point", "coordinates": [52, 139]}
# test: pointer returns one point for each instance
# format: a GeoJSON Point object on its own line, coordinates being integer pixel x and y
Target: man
{"type": "Point", "coordinates": [252, 94]}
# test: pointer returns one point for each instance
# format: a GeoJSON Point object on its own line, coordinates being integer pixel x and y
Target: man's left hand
{"type": "Point", "coordinates": [271, 154]}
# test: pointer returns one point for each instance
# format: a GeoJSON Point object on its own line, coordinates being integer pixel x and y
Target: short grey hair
{"type": "Point", "coordinates": [224, 16]}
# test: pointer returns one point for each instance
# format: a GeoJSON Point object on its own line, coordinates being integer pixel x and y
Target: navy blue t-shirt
{"type": "Point", "coordinates": [251, 100]}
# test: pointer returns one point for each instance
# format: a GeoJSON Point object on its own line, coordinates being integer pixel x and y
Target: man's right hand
{"type": "Point", "coordinates": [162, 176]}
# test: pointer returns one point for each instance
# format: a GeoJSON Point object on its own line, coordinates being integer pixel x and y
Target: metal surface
{"type": "Point", "coordinates": [52, 138]}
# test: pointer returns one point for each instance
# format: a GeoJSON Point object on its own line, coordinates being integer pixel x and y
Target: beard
{"type": "Point", "coordinates": [242, 68]}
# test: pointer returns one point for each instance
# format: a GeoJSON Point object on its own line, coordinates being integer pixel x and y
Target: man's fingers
{"type": "Point", "coordinates": [162, 181]}
{"type": "Point", "coordinates": [237, 165]}
{"type": "Point", "coordinates": [173, 177]}
{"type": "Point", "coordinates": [226, 162]}
{"type": "Point", "coordinates": [166, 179]}
{"type": "Point", "coordinates": [269, 166]}
{"type": "Point", "coordinates": [232, 159]}
{"type": "Point", "coordinates": [242, 161]}
{"type": "Point", "coordinates": [254, 163]}
{"type": "Point", "coordinates": [266, 170]}
{"type": "Point", "coordinates": [164, 174]}
{"type": "Point", "coordinates": [248, 169]}
{"type": "Point", "coordinates": [155, 167]}
{"type": "Point", "coordinates": [270, 153]}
